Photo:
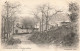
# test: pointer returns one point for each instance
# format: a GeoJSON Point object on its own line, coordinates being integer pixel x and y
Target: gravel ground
{"type": "Point", "coordinates": [25, 43]}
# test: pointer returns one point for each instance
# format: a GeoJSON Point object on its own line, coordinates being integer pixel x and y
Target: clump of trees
{"type": "Point", "coordinates": [8, 19]}
{"type": "Point", "coordinates": [63, 35]}
{"type": "Point", "coordinates": [44, 14]}
{"type": "Point", "coordinates": [74, 9]}
{"type": "Point", "coordinates": [72, 39]}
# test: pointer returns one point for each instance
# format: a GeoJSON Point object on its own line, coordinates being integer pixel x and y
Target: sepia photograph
{"type": "Point", "coordinates": [39, 24]}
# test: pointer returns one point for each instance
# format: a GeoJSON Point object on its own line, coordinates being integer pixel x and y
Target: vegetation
{"type": "Point", "coordinates": [61, 36]}
{"type": "Point", "coordinates": [13, 41]}
{"type": "Point", "coordinates": [44, 14]}
{"type": "Point", "coordinates": [64, 35]}
{"type": "Point", "coordinates": [8, 19]}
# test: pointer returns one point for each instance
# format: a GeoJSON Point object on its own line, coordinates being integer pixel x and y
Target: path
{"type": "Point", "coordinates": [25, 43]}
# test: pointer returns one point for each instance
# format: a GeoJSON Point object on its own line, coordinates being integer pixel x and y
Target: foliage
{"type": "Point", "coordinates": [74, 17]}
{"type": "Point", "coordinates": [56, 36]}
{"type": "Point", "coordinates": [74, 9]}
{"type": "Point", "coordinates": [70, 39]}
{"type": "Point", "coordinates": [44, 14]}
{"type": "Point", "coordinates": [8, 18]}
{"type": "Point", "coordinates": [13, 41]}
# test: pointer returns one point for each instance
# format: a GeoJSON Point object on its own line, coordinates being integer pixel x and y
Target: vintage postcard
{"type": "Point", "coordinates": [39, 25]}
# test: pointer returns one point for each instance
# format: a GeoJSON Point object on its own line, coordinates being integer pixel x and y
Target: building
{"type": "Point", "coordinates": [67, 24]}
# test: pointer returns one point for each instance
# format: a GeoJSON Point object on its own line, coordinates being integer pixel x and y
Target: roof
{"type": "Point", "coordinates": [65, 22]}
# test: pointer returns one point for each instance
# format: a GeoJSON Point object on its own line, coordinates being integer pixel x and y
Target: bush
{"type": "Point", "coordinates": [36, 37]}
{"type": "Point", "coordinates": [70, 40]}
{"type": "Point", "coordinates": [13, 41]}
{"type": "Point", "coordinates": [62, 35]}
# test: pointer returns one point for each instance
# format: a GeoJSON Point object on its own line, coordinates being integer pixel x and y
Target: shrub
{"type": "Point", "coordinates": [70, 40]}
{"type": "Point", "coordinates": [62, 35]}
{"type": "Point", "coordinates": [13, 41]}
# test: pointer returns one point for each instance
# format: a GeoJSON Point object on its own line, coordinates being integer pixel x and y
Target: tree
{"type": "Point", "coordinates": [44, 14]}
{"type": "Point", "coordinates": [74, 9]}
{"type": "Point", "coordinates": [8, 18]}
{"type": "Point", "coordinates": [37, 16]}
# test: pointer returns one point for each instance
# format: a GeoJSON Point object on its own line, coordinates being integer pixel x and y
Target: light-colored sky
{"type": "Point", "coordinates": [27, 6]}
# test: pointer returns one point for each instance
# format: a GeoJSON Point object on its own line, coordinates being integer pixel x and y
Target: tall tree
{"type": "Point", "coordinates": [74, 9]}
{"type": "Point", "coordinates": [37, 17]}
{"type": "Point", "coordinates": [8, 18]}
{"type": "Point", "coordinates": [44, 14]}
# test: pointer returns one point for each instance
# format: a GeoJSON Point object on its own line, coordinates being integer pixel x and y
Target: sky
{"type": "Point", "coordinates": [27, 6]}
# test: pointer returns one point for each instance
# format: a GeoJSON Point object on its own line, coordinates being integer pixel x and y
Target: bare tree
{"type": "Point", "coordinates": [8, 18]}
{"type": "Point", "coordinates": [44, 14]}
{"type": "Point", "coordinates": [36, 15]}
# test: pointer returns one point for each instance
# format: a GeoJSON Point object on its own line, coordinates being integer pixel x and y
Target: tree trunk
{"type": "Point", "coordinates": [42, 22]}
{"type": "Point", "coordinates": [40, 26]}
{"type": "Point", "coordinates": [46, 23]}
{"type": "Point", "coordinates": [13, 27]}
